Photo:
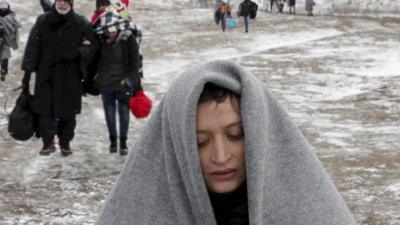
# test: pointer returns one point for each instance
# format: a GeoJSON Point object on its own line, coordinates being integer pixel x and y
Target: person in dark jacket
{"type": "Point", "coordinates": [117, 73]}
{"type": "Point", "coordinates": [58, 44]}
{"type": "Point", "coordinates": [292, 6]}
{"type": "Point", "coordinates": [9, 36]}
{"type": "Point", "coordinates": [248, 10]}
{"type": "Point", "coordinates": [223, 12]}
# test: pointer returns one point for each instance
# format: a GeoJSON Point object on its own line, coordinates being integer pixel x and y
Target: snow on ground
{"type": "Point", "coordinates": [338, 77]}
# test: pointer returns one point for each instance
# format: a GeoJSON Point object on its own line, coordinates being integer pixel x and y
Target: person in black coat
{"type": "Point", "coordinates": [58, 44]}
{"type": "Point", "coordinates": [248, 10]}
{"type": "Point", "coordinates": [292, 6]}
{"type": "Point", "coordinates": [117, 74]}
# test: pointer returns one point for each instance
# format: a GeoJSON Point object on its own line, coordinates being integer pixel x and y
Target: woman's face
{"type": "Point", "coordinates": [112, 34]}
{"type": "Point", "coordinates": [103, 7]}
{"type": "Point", "coordinates": [220, 141]}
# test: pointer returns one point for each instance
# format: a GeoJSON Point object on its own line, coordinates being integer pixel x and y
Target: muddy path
{"type": "Point", "coordinates": [336, 76]}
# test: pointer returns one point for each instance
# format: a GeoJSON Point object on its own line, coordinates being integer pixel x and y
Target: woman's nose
{"type": "Point", "coordinates": [221, 153]}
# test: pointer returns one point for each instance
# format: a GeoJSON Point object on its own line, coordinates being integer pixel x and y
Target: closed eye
{"type": "Point", "coordinates": [236, 136]}
{"type": "Point", "coordinates": [201, 144]}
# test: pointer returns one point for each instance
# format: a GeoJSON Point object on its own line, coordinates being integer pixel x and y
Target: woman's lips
{"type": "Point", "coordinates": [223, 175]}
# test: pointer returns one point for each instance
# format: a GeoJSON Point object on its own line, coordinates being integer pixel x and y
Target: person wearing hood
{"type": "Point", "coordinates": [220, 150]}
{"type": "Point", "coordinates": [60, 45]}
{"type": "Point", "coordinates": [9, 36]}
{"type": "Point", "coordinates": [117, 76]}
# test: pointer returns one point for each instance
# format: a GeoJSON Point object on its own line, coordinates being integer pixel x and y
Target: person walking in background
{"type": "Point", "coordinates": [9, 36]}
{"type": "Point", "coordinates": [58, 44]}
{"type": "Point", "coordinates": [273, 6]}
{"type": "Point", "coordinates": [309, 7]}
{"type": "Point", "coordinates": [224, 12]}
{"type": "Point", "coordinates": [117, 74]}
{"type": "Point", "coordinates": [248, 10]}
{"type": "Point", "coordinates": [292, 6]}
{"type": "Point", "coordinates": [281, 5]}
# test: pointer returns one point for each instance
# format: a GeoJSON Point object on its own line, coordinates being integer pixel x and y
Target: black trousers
{"type": "Point", "coordinates": [4, 66]}
{"type": "Point", "coordinates": [62, 127]}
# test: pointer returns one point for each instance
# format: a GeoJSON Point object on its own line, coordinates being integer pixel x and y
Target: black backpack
{"type": "Point", "coordinates": [22, 122]}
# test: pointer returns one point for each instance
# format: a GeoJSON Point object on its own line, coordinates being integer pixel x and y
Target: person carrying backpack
{"type": "Point", "coordinates": [9, 36]}
{"type": "Point", "coordinates": [223, 12]}
{"type": "Point", "coordinates": [248, 10]}
{"type": "Point", "coordinates": [117, 73]}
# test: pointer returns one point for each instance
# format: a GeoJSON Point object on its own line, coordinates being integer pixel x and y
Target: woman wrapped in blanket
{"type": "Point", "coordinates": [220, 150]}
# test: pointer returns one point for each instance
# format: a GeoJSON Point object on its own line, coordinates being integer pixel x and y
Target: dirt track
{"type": "Point", "coordinates": [332, 74]}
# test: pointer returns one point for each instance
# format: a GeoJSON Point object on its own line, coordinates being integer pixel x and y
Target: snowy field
{"type": "Point", "coordinates": [338, 77]}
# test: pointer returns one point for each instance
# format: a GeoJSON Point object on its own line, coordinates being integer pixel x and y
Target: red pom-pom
{"type": "Point", "coordinates": [140, 105]}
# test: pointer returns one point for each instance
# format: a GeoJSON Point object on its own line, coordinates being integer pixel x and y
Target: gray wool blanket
{"type": "Point", "coordinates": [161, 181]}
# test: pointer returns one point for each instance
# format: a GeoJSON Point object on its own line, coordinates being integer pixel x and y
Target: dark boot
{"type": "Point", "coordinates": [3, 75]}
{"type": "Point", "coordinates": [123, 149]}
{"type": "Point", "coordinates": [113, 145]}
{"type": "Point", "coordinates": [48, 148]}
{"type": "Point", "coordinates": [64, 147]}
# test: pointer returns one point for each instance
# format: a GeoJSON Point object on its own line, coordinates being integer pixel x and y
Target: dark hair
{"type": "Point", "coordinates": [212, 92]}
{"type": "Point", "coordinates": [100, 3]}
{"type": "Point", "coordinates": [4, 9]}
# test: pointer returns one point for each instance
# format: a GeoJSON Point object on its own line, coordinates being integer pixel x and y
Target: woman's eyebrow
{"type": "Point", "coordinates": [234, 124]}
{"type": "Point", "coordinates": [227, 126]}
{"type": "Point", "coordinates": [201, 131]}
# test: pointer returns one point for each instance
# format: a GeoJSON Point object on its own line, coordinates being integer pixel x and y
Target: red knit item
{"type": "Point", "coordinates": [126, 2]}
{"type": "Point", "coordinates": [140, 105]}
{"type": "Point", "coordinates": [96, 15]}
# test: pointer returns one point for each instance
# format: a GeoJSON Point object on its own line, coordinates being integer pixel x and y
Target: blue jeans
{"type": "Point", "coordinates": [109, 103]}
{"type": "Point", "coordinates": [223, 21]}
{"type": "Point", "coordinates": [246, 22]}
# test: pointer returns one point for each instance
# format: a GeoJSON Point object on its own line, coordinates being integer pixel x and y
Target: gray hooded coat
{"type": "Point", "coordinates": [161, 182]}
{"type": "Point", "coordinates": [10, 38]}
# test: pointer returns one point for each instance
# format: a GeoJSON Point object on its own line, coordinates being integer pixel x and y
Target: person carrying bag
{"type": "Point", "coordinates": [117, 74]}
